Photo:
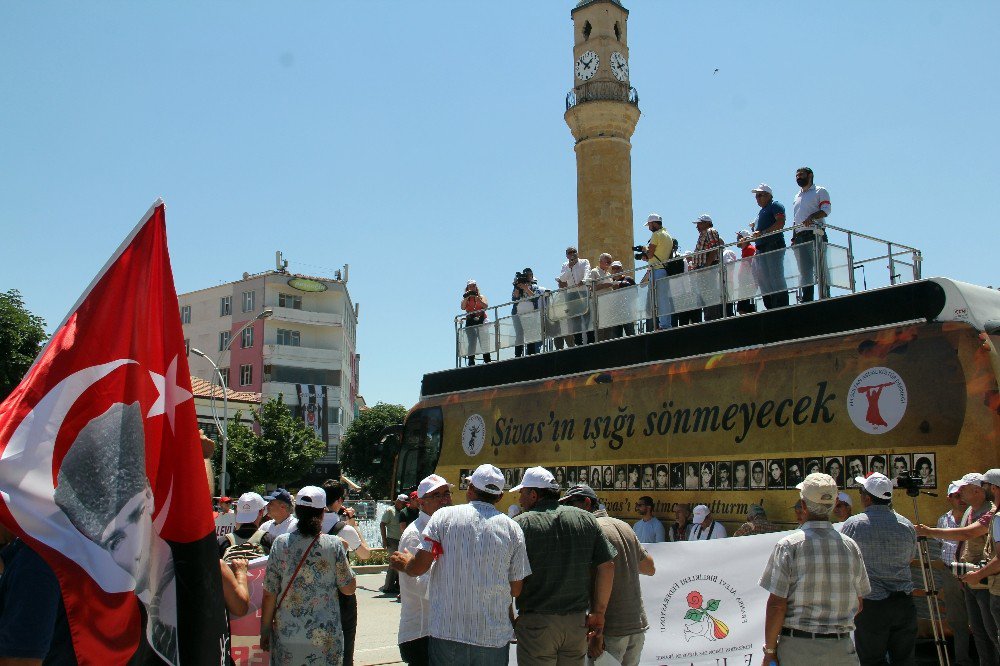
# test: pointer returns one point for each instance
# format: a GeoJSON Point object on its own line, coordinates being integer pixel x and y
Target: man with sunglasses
{"type": "Point", "coordinates": [811, 208]}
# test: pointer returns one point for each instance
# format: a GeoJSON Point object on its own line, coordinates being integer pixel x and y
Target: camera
{"type": "Point", "coordinates": [469, 293]}
{"type": "Point", "coordinates": [962, 568]}
{"type": "Point", "coordinates": [911, 483]}
{"type": "Point", "coordinates": [640, 251]}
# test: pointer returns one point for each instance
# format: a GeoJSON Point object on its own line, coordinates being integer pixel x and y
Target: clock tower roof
{"type": "Point", "coordinates": [585, 3]}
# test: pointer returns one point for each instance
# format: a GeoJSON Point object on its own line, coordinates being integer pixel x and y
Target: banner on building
{"type": "Point", "coordinates": [704, 604]}
{"type": "Point", "coordinates": [313, 404]}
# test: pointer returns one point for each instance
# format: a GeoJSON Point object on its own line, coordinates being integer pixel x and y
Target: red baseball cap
{"type": "Point", "coordinates": [413, 495]}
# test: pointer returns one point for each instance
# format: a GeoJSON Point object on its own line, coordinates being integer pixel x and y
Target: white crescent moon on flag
{"type": "Point", "coordinates": [28, 486]}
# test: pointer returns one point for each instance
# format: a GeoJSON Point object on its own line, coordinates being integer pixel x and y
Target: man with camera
{"type": "Point", "coordinates": [973, 536]}
{"type": "Point", "coordinates": [887, 622]}
{"type": "Point", "coordinates": [526, 295]}
{"type": "Point", "coordinates": [656, 252]}
{"type": "Point", "coordinates": [988, 572]}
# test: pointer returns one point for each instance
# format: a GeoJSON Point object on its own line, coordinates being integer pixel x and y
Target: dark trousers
{"type": "Point", "coordinates": [349, 623]}
{"type": "Point", "coordinates": [414, 652]}
{"type": "Point", "coordinates": [391, 575]}
{"type": "Point", "coordinates": [807, 263]}
{"type": "Point", "coordinates": [519, 349]}
{"type": "Point", "coordinates": [984, 629]}
{"type": "Point", "coordinates": [887, 626]}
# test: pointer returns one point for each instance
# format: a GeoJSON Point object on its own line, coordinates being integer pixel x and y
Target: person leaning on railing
{"type": "Point", "coordinates": [600, 280]}
{"type": "Point", "coordinates": [770, 262]}
{"type": "Point", "coordinates": [657, 251]}
{"type": "Point", "coordinates": [475, 304]}
{"type": "Point", "coordinates": [706, 256]}
{"type": "Point", "coordinates": [620, 280]}
{"type": "Point", "coordinates": [526, 296]}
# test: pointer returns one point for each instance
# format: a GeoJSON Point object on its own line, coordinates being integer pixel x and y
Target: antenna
{"type": "Point", "coordinates": [280, 264]}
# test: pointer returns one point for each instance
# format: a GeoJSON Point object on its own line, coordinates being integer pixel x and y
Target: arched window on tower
{"type": "Point", "coordinates": [618, 32]}
{"type": "Point", "coordinates": [587, 28]}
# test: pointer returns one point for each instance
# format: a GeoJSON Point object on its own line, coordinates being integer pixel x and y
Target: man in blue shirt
{"type": "Point", "coordinates": [33, 625]}
{"type": "Point", "coordinates": [770, 256]}
{"type": "Point", "coordinates": [887, 622]}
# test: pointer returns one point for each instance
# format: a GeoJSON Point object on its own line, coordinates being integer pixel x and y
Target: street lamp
{"type": "Point", "coordinates": [217, 375]}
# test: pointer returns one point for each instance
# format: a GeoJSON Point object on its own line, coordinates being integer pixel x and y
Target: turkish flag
{"type": "Point", "coordinates": [102, 474]}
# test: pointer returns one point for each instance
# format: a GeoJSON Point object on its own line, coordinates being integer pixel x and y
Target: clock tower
{"type": "Point", "coordinates": [602, 110]}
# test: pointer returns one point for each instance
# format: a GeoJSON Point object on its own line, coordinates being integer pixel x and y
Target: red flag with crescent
{"type": "Point", "coordinates": [102, 473]}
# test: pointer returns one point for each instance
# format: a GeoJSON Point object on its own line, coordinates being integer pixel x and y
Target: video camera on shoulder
{"type": "Point", "coordinates": [640, 251]}
{"type": "Point", "coordinates": [911, 483]}
{"type": "Point", "coordinates": [962, 568]}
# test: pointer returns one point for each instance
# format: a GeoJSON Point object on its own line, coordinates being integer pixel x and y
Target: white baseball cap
{"type": "Point", "coordinates": [763, 187]}
{"type": "Point", "coordinates": [248, 506]}
{"type": "Point", "coordinates": [487, 478]}
{"type": "Point", "coordinates": [616, 263]}
{"type": "Point", "coordinates": [971, 479]}
{"type": "Point", "coordinates": [743, 233]}
{"type": "Point", "coordinates": [431, 483]}
{"type": "Point", "coordinates": [700, 513]}
{"type": "Point", "coordinates": [819, 488]}
{"type": "Point", "coordinates": [402, 498]}
{"type": "Point", "coordinates": [654, 217]}
{"type": "Point", "coordinates": [953, 488]}
{"type": "Point", "coordinates": [992, 476]}
{"type": "Point", "coordinates": [845, 498]}
{"type": "Point", "coordinates": [704, 218]}
{"type": "Point", "coordinates": [536, 477]}
{"type": "Point", "coordinates": [312, 496]}
{"type": "Point", "coordinates": [876, 484]}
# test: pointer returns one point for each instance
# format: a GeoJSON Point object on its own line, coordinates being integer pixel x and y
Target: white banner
{"type": "Point", "coordinates": [704, 605]}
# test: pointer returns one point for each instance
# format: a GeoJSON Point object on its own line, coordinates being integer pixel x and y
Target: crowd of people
{"type": "Point", "coordinates": [764, 241]}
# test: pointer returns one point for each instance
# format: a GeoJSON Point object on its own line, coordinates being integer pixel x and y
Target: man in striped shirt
{"type": "Point", "coordinates": [479, 562]}
{"type": "Point", "coordinates": [816, 577]}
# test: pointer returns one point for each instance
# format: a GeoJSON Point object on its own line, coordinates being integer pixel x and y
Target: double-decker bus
{"type": "Point", "coordinates": [901, 379]}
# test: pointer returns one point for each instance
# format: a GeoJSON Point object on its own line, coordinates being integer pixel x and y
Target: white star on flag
{"type": "Point", "coordinates": [169, 394]}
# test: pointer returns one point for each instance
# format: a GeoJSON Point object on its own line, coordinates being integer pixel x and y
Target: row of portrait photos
{"type": "Point", "coordinates": [764, 473]}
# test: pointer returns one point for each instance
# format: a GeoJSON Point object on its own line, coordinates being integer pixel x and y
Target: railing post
{"type": "Point", "coordinates": [892, 265]}
{"type": "Point", "coordinates": [850, 261]}
{"type": "Point", "coordinates": [652, 299]}
{"type": "Point", "coordinates": [458, 354]}
{"type": "Point", "coordinates": [496, 332]}
{"type": "Point", "coordinates": [723, 285]}
{"type": "Point", "coordinates": [918, 270]}
{"type": "Point", "coordinates": [592, 297]}
{"type": "Point", "coordinates": [819, 262]}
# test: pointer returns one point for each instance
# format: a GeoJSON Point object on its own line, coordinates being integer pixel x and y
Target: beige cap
{"type": "Point", "coordinates": [819, 488]}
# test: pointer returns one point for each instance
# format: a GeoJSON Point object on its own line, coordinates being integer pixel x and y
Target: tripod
{"type": "Point", "coordinates": [930, 585]}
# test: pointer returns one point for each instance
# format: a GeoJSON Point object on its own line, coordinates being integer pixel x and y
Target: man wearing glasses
{"type": "Point", "coordinates": [575, 273]}
{"type": "Point", "coordinates": [770, 257]}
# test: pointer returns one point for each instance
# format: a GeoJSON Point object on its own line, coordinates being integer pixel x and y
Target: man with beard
{"type": "Point", "coordinates": [811, 208]}
{"type": "Point", "coordinates": [855, 469]}
{"type": "Point", "coordinates": [648, 528]}
{"type": "Point", "coordinates": [794, 476]}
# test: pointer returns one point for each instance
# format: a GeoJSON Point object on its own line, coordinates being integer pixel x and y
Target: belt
{"type": "Point", "coordinates": [798, 633]}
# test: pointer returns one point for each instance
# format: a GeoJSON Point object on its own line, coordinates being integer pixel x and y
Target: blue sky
{"type": "Point", "coordinates": [423, 143]}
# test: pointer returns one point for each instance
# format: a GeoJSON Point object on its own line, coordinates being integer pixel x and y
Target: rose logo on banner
{"type": "Point", "coordinates": [702, 623]}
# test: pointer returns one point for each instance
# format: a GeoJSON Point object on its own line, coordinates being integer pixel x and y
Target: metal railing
{"type": "Point", "coordinates": [646, 299]}
{"type": "Point", "coordinates": [602, 90]}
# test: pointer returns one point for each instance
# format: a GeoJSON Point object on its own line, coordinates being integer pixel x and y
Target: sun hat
{"type": "Point", "coordinates": [876, 484]}
{"type": "Point", "coordinates": [819, 488]}
{"type": "Point", "coordinates": [248, 507]}
{"type": "Point", "coordinates": [537, 477]}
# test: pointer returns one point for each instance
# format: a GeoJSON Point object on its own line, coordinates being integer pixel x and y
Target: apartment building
{"type": "Point", "coordinates": [283, 333]}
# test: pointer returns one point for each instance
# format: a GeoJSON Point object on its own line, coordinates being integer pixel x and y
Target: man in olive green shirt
{"type": "Point", "coordinates": [557, 613]}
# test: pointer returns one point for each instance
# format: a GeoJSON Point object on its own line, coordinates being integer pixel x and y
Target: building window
{"type": "Point", "coordinates": [246, 374]}
{"type": "Point", "coordinates": [225, 376]}
{"type": "Point", "coordinates": [186, 314]}
{"type": "Point", "coordinates": [247, 336]}
{"type": "Point", "coordinates": [224, 337]}
{"type": "Point", "coordinates": [289, 338]}
{"type": "Point", "coordinates": [187, 346]}
{"type": "Point", "coordinates": [225, 306]}
{"type": "Point", "coordinates": [586, 30]}
{"type": "Point", "coordinates": [248, 301]}
{"type": "Point", "coordinates": [289, 301]}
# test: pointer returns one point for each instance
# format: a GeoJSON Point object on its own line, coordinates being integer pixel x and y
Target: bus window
{"type": "Point", "coordinates": [421, 448]}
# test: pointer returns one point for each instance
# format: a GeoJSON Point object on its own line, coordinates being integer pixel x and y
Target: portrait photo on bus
{"type": "Point", "coordinates": [724, 475]}
{"type": "Point", "coordinates": [877, 464]}
{"type": "Point", "coordinates": [757, 474]}
{"type": "Point", "coordinates": [621, 475]}
{"type": "Point", "coordinates": [793, 472]}
{"type": "Point", "coordinates": [634, 474]}
{"type": "Point", "coordinates": [708, 476]}
{"type": "Point", "coordinates": [691, 480]}
{"type": "Point", "coordinates": [776, 473]}
{"type": "Point", "coordinates": [900, 465]}
{"type": "Point", "coordinates": [741, 474]}
{"type": "Point", "coordinates": [834, 466]}
{"type": "Point", "coordinates": [925, 466]}
{"type": "Point", "coordinates": [855, 468]}
{"type": "Point", "coordinates": [647, 476]}
{"type": "Point", "coordinates": [662, 476]}
{"type": "Point", "coordinates": [677, 476]}
{"type": "Point", "coordinates": [813, 466]}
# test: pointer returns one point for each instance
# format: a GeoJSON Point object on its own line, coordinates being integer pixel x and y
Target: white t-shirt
{"type": "Point", "coordinates": [414, 595]}
{"type": "Point", "coordinates": [575, 275]}
{"type": "Point", "coordinates": [277, 529]}
{"type": "Point", "coordinates": [225, 523]}
{"type": "Point", "coordinates": [348, 533]}
{"type": "Point", "coordinates": [716, 531]}
{"type": "Point", "coordinates": [808, 202]}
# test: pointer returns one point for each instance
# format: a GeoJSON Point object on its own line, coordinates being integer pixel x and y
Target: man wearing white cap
{"type": "Point", "coordinates": [658, 249]}
{"type": "Point", "coordinates": [770, 248]}
{"type": "Point", "coordinates": [573, 569]}
{"type": "Point", "coordinates": [249, 514]}
{"type": "Point", "coordinates": [704, 526]}
{"type": "Point", "coordinates": [479, 562]}
{"type": "Point", "coordinates": [433, 493]}
{"type": "Point", "coordinates": [705, 255]}
{"type": "Point", "coordinates": [991, 480]}
{"type": "Point", "coordinates": [844, 507]}
{"type": "Point", "coordinates": [949, 584]}
{"type": "Point", "coordinates": [390, 528]}
{"type": "Point", "coordinates": [887, 622]}
{"type": "Point", "coordinates": [816, 577]}
{"type": "Point", "coordinates": [972, 534]}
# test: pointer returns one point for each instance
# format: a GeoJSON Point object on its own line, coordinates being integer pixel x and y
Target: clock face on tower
{"type": "Point", "coordinates": [619, 66]}
{"type": "Point", "coordinates": [586, 65]}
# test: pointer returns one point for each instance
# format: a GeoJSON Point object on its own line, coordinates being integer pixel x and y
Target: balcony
{"type": "Point", "coordinates": [307, 317]}
{"type": "Point", "coordinates": [593, 91]}
{"type": "Point", "coordinates": [328, 359]}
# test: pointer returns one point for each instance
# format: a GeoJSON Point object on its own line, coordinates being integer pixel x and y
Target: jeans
{"type": "Point", "coordinates": [984, 629]}
{"type": "Point", "coordinates": [770, 266]}
{"type": "Point", "coordinates": [887, 626]}
{"type": "Point", "coordinates": [453, 653]}
{"type": "Point", "coordinates": [414, 652]}
{"type": "Point", "coordinates": [391, 575]}
{"type": "Point", "coordinates": [664, 306]}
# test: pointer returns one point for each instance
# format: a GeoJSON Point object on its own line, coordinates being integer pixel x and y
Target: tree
{"type": "Point", "coordinates": [359, 441]}
{"type": "Point", "coordinates": [21, 333]}
{"type": "Point", "coordinates": [283, 452]}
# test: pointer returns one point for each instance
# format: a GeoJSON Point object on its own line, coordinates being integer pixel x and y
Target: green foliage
{"type": "Point", "coordinates": [21, 334]}
{"type": "Point", "coordinates": [283, 452]}
{"type": "Point", "coordinates": [359, 441]}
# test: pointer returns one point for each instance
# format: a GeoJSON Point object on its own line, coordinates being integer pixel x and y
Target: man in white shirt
{"type": "Point", "coordinates": [433, 493]}
{"type": "Point", "coordinates": [705, 527]}
{"type": "Point", "coordinates": [480, 563]}
{"type": "Point", "coordinates": [600, 279]}
{"type": "Point", "coordinates": [575, 273]}
{"type": "Point", "coordinates": [648, 528]}
{"type": "Point", "coordinates": [811, 207]}
{"type": "Point", "coordinates": [279, 511]}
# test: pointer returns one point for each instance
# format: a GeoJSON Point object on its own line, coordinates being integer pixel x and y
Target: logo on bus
{"type": "Point", "coordinates": [877, 400]}
{"type": "Point", "coordinates": [473, 435]}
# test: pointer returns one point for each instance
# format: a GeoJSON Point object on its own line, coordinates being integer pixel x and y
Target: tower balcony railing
{"type": "Point", "coordinates": [593, 91]}
{"type": "Point", "coordinates": [689, 292]}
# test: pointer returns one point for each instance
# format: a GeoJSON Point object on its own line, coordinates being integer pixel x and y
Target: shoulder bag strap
{"type": "Point", "coordinates": [295, 573]}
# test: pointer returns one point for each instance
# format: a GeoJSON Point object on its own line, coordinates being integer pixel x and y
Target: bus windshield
{"type": "Point", "coordinates": [420, 449]}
